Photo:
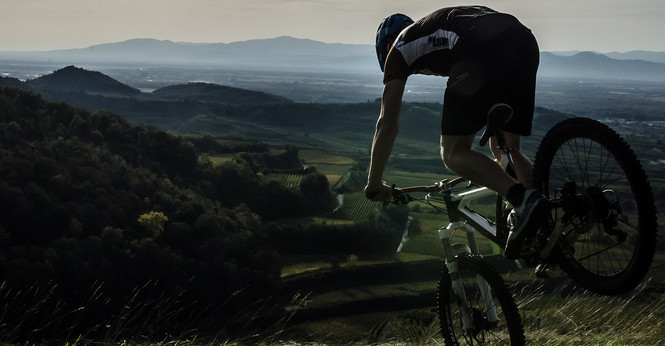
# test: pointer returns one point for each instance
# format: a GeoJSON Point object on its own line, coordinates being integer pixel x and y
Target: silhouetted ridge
{"type": "Point", "coordinates": [76, 78]}
{"type": "Point", "coordinates": [10, 82]}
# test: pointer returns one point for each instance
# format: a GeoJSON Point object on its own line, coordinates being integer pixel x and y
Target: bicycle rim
{"type": "Point", "coordinates": [485, 330]}
{"type": "Point", "coordinates": [605, 205]}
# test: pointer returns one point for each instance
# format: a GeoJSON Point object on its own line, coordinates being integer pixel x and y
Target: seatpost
{"type": "Point", "coordinates": [505, 150]}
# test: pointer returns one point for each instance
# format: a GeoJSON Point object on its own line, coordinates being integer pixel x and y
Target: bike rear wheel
{"type": "Point", "coordinates": [603, 202]}
{"type": "Point", "coordinates": [483, 328]}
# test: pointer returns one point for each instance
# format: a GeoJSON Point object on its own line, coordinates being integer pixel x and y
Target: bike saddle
{"type": "Point", "coordinates": [498, 116]}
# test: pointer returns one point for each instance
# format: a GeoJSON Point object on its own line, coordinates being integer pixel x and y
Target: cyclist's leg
{"type": "Point", "coordinates": [523, 166]}
{"type": "Point", "coordinates": [457, 155]}
{"type": "Point", "coordinates": [516, 67]}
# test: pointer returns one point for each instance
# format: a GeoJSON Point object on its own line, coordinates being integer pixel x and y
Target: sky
{"type": "Point", "coordinates": [559, 25]}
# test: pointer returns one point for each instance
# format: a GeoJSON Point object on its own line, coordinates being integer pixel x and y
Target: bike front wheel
{"type": "Point", "coordinates": [475, 307]}
{"type": "Point", "coordinates": [603, 205]}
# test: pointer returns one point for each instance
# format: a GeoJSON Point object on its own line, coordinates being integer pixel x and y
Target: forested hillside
{"type": "Point", "coordinates": [92, 204]}
{"type": "Point", "coordinates": [102, 214]}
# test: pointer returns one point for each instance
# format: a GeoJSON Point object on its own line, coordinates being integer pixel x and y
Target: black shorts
{"type": "Point", "coordinates": [500, 69]}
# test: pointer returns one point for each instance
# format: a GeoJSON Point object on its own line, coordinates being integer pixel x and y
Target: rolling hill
{"type": "Point", "coordinates": [220, 110]}
{"type": "Point", "coordinates": [224, 111]}
{"type": "Point", "coordinates": [75, 78]}
{"type": "Point", "coordinates": [217, 93]}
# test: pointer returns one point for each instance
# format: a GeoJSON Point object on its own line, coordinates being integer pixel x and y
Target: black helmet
{"type": "Point", "coordinates": [388, 30]}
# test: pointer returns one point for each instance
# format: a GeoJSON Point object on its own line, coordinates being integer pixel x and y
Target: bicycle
{"type": "Point", "coordinates": [601, 230]}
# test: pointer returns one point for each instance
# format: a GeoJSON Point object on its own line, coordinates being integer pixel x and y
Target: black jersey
{"type": "Point", "coordinates": [430, 45]}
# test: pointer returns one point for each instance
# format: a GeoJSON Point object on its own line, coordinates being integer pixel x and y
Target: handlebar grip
{"type": "Point", "coordinates": [399, 197]}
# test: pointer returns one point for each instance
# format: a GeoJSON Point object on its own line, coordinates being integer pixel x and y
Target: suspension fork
{"type": "Point", "coordinates": [445, 234]}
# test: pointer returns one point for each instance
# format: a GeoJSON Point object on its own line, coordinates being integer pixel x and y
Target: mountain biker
{"type": "Point", "coordinates": [490, 60]}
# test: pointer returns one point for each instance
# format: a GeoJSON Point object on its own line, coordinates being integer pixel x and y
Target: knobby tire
{"type": "Point", "coordinates": [606, 172]}
{"type": "Point", "coordinates": [509, 329]}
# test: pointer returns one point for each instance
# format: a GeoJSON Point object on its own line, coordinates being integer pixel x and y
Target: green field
{"type": "Point", "coordinates": [333, 166]}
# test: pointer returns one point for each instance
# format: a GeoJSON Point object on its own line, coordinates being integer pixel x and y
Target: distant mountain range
{"type": "Point", "coordinates": [598, 66]}
{"type": "Point", "coordinates": [292, 54]}
{"type": "Point", "coordinates": [630, 55]}
{"type": "Point", "coordinates": [281, 52]}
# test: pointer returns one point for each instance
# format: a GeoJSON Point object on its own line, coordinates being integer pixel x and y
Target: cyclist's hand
{"type": "Point", "coordinates": [379, 193]}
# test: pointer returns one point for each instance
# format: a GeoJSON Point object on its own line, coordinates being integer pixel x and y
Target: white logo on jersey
{"type": "Point", "coordinates": [439, 40]}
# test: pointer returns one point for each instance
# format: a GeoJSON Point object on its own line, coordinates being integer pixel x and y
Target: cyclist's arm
{"type": "Point", "coordinates": [384, 138]}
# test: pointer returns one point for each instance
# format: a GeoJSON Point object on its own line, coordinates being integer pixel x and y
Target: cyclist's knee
{"type": "Point", "coordinates": [453, 148]}
{"type": "Point", "coordinates": [446, 156]}
{"type": "Point", "coordinates": [454, 156]}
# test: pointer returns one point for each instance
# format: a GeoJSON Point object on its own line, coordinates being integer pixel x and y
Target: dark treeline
{"type": "Point", "coordinates": [212, 145]}
{"type": "Point", "coordinates": [97, 215]}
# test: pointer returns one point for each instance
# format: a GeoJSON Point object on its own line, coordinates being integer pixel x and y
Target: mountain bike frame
{"type": "Point", "coordinates": [460, 212]}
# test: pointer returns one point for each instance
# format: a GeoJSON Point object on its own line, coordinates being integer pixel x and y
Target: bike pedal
{"type": "Point", "coordinates": [548, 271]}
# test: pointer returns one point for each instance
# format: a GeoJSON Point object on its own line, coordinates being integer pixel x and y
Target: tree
{"type": "Point", "coordinates": [153, 222]}
{"type": "Point", "coordinates": [316, 191]}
